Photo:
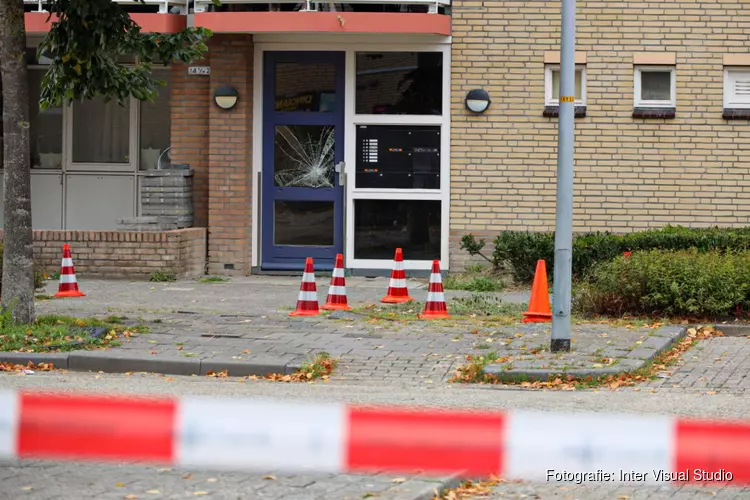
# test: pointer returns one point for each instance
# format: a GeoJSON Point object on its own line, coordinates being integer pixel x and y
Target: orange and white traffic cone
{"type": "Point", "coordinates": [307, 302]}
{"type": "Point", "coordinates": [336, 300]}
{"type": "Point", "coordinates": [397, 291]}
{"type": "Point", "coordinates": [435, 308]}
{"type": "Point", "coordinates": [68, 283]}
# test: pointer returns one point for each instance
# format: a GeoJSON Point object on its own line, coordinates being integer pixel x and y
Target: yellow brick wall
{"type": "Point", "coordinates": [631, 174]}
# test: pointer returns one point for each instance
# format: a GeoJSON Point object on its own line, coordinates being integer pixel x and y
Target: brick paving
{"type": "Point", "coordinates": [719, 364]}
{"type": "Point", "coordinates": [34, 480]}
{"type": "Point", "coordinates": [248, 321]}
{"type": "Point", "coordinates": [605, 491]}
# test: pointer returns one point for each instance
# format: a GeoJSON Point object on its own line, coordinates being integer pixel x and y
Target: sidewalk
{"type": "Point", "coordinates": [243, 326]}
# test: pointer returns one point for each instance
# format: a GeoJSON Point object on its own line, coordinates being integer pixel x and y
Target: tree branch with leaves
{"type": "Point", "coordinates": [88, 44]}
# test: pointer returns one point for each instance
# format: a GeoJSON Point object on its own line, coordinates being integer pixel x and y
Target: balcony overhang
{"type": "Point", "coordinates": [325, 22]}
{"type": "Point", "coordinates": [41, 22]}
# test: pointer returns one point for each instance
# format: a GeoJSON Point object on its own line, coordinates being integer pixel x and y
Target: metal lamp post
{"type": "Point", "coordinates": [564, 210]}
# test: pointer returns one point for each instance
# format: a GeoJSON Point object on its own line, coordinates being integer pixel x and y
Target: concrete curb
{"type": "Point", "coordinates": [114, 362]}
{"type": "Point", "coordinates": [654, 345]}
{"type": "Point", "coordinates": [733, 330]}
{"type": "Point", "coordinates": [422, 489]}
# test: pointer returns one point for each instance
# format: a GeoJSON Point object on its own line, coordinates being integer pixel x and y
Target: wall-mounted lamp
{"type": "Point", "coordinates": [226, 97]}
{"type": "Point", "coordinates": [477, 100]}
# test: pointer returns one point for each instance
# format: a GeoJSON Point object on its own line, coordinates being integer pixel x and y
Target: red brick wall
{"type": "Point", "coordinates": [190, 104]}
{"type": "Point", "coordinates": [230, 158]}
{"type": "Point", "coordinates": [120, 254]}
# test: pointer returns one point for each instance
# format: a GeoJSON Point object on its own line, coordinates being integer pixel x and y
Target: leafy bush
{"type": "Point", "coordinates": [689, 283]}
{"type": "Point", "coordinates": [518, 251]}
{"type": "Point", "coordinates": [39, 274]}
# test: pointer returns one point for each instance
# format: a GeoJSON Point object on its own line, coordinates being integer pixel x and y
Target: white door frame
{"type": "Point", "coordinates": [351, 44]}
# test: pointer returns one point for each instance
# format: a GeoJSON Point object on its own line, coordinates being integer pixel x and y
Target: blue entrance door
{"type": "Point", "coordinates": [302, 205]}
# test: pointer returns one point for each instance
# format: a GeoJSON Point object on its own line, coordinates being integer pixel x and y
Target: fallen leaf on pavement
{"type": "Point", "coordinates": [211, 480]}
{"type": "Point", "coordinates": [623, 497]}
{"type": "Point", "coordinates": [272, 478]}
{"type": "Point", "coordinates": [131, 497]}
{"type": "Point", "coordinates": [27, 488]}
{"type": "Point", "coordinates": [398, 480]}
{"type": "Point", "coordinates": [187, 476]}
{"type": "Point", "coordinates": [154, 492]}
{"type": "Point", "coordinates": [710, 393]}
{"type": "Point", "coordinates": [200, 493]}
{"type": "Point", "coordinates": [120, 485]}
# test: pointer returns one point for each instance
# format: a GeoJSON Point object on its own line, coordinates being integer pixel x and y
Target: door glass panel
{"type": "Point", "coordinates": [399, 83]}
{"type": "Point", "coordinates": [101, 131]}
{"type": "Point", "coordinates": [303, 156]}
{"type": "Point", "coordinates": [305, 87]}
{"type": "Point", "coordinates": [380, 226]}
{"type": "Point", "coordinates": [303, 223]}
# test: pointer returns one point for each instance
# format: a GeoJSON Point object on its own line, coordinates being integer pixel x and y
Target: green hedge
{"type": "Point", "coordinates": [688, 283]}
{"type": "Point", "coordinates": [39, 274]}
{"type": "Point", "coordinates": [518, 251]}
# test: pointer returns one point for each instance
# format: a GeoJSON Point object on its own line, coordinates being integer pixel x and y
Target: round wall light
{"type": "Point", "coordinates": [477, 100]}
{"type": "Point", "coordinates": [226, 97]}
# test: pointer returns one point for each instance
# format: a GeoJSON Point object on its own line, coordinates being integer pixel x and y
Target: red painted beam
{"type": "Point", "coordinates": [325, 22]}
{"type": "Point", "coordinates": [41, 22]}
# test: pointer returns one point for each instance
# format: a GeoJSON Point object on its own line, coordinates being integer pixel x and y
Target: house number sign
{"type": "Point", "coordinates": [199, 70]}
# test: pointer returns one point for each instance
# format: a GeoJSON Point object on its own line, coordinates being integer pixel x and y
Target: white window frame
{"type": "Point", "coordinates": [133, 143]}
{"type": "Point", "coordinates": [729, 101]}
{"type": "Point", "coordinates": [548, 90]}
{"type": "Point", "coordinates": [639, 103]}
{"type": "Point", "coordinates": [351, 46]}
{"type": "Point", "coordinates": [130, 169]}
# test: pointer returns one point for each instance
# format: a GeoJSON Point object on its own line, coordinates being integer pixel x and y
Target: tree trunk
{"type": "Point", "coordinates": [18, 256]}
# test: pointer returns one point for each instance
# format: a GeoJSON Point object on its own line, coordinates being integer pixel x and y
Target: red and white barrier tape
{"type": "Point", "coordinates": [255, 434]}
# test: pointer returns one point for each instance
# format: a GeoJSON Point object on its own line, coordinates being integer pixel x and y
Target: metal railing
{"type": "Point", "coordinates": [165, 6]}
{"type": "Point", "coordinates": [328, 6]}
{"type": "Point", "coordinates": [183, 6]}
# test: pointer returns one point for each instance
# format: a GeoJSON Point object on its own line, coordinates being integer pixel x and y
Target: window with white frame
{"type": "Point", "coordinates": [654, 87]}
{"type": "Point", "coordinates": [737, 88]}
{"type": "Point", "coordinates": [552, 85]}
{"type": "Point", "coordinates": [100, 136]}
{"type": "Point", "coordinates": [398, 193]}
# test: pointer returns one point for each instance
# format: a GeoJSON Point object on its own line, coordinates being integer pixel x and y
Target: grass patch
{"type": "Point", "coordinates": [162, 277]}
{"type": "Point", "coordinates": [213, 279]}
{"type": "Point", "coordinates": [476, 306]}
{"type": "Point", "coordinates": [321, 367]}
{"type": "Point", "coordinates": [57, 333]}
{"type": "Point", "coordinates": [473, 371]}
{"type": "Point", "coordinates": [476, 278]}
{"type": "Point", "coordinates": [483, 305]}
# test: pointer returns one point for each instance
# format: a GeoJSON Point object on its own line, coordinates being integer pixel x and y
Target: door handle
{"type": "Point", "coordinates": [340, 169]}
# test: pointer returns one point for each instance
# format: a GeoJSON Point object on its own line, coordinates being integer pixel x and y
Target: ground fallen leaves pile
{"type": "Point", "coordinates": [473, 372]}
{"type": "Point", "coordinates": [15, 367]}
{"type": "Point", "coordinates": [320, 369]}
{"type": "Point", "coordinates": [470, 489]}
